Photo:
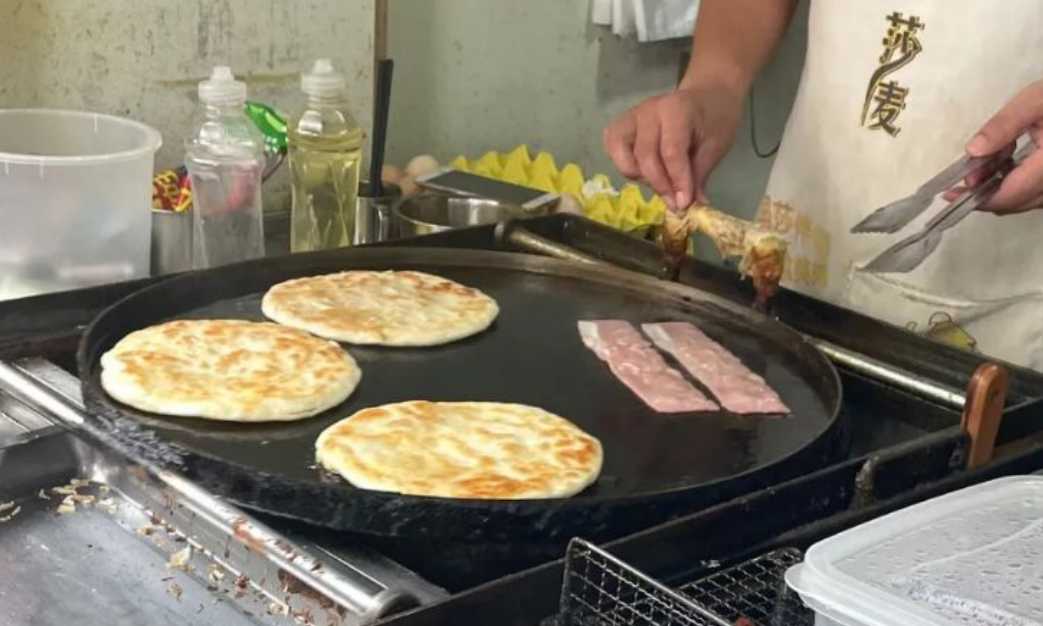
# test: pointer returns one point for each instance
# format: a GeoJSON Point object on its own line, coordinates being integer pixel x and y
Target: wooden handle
{"type": "Point", "coordinates": [983, 411]}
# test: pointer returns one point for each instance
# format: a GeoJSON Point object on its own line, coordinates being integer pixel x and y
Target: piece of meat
{"type": "Point", "coordinates": [762, 252]}
{"type": "Point", "coordinates": [674, 237]}
{"type": "Point", "coordinates": [763, 263]}
{"type": "Point", "coordinates": [643, 370]}
{"type": "Point", "coordinates": [737, 388]}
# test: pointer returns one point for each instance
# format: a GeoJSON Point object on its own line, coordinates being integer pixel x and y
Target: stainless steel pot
{"type": "Point", "coordinates": [373, 215]}
{"type": "Point", "coordinates": [171, 242]}
{"type": "Point", "coordinates": [428, 213]}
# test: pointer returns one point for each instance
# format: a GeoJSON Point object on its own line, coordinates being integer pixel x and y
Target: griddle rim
{"type": "Point", "coordinates": [131, 434]}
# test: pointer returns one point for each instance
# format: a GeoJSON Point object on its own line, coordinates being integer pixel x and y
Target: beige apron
{"type": "Point", "coordinates": [890, 94]}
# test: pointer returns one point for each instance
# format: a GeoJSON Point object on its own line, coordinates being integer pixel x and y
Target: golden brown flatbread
{"type": "Point", "coordinates": [381, 308]}
{"type": "Point", "coordinates": [476, 450]}
{"type": "Point", "coordinates": [230, 370]}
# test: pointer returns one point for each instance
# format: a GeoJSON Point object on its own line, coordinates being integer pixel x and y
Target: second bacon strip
{"type": "Point", "coordinates": [643, 370]}
{"type": "Point", "coordinates": [738, 389]}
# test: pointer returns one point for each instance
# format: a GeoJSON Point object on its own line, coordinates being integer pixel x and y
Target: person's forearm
{"type": "Point", "coordinates": [733, 39]}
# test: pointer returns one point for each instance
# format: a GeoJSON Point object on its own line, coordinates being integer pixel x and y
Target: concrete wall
{"type": "Point", "coordinates": [475, 75]}
{"type": "Point", "coordinates": [142, 59]}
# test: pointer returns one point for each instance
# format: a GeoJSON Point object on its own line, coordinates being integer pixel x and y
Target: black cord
{"type": "Point", "coordinates": [753, 132]}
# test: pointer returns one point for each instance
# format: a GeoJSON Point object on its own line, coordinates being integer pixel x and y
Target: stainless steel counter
{"type": "Point", "coordinates": [87, 537]}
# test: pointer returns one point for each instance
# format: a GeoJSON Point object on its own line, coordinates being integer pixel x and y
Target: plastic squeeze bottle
{"type": "Point", "coordinates": [325, 152]}
{"type": "Point", "coordinates": [225, 161]}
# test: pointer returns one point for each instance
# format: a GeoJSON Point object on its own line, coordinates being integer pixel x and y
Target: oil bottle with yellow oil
{"type": "Point", "coordinates": [325, 153]}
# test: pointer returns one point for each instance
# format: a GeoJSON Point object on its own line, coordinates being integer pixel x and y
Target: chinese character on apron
{"type": "Point", "coordinates": [891, 93]}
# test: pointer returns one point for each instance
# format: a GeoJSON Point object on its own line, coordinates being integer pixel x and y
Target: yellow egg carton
{"type": "Point", "coordinates": [625, 209]}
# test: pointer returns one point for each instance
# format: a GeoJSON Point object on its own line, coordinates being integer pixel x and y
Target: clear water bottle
{"type": "Point", "coordinates": [225, 161]}
{"type": "Point", "coordinates": [325, 152]}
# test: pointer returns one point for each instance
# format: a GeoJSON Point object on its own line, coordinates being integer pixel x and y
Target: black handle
{"type": "Point", "coordinates": [381, 106]}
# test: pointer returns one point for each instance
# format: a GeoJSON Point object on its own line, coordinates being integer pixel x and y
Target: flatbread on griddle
{"type": "Point", "coordinates": [381, 308]}
{"type": "Point", "coordinates": [480, 450]}
{"type": "Point", "coordinates": [230, 370]}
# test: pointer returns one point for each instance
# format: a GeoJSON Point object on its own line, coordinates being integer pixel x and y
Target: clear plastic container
{"type": "Point", "coordinates": [971, 557]}
{"type": "Point", "coordinates": [75, 199]}
{"type": "Point", "coordinates": [226, 162]}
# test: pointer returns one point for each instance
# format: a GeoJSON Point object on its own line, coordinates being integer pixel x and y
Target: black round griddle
{"type": "Point", "coordinates": [654, 463]}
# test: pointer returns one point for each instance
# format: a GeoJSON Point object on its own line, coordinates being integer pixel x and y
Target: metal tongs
{"type": "Point", "coordinates": [908, 253]}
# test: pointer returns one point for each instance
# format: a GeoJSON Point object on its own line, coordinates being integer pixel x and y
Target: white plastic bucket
{"type": "Point", "coordinates": [75, 194]}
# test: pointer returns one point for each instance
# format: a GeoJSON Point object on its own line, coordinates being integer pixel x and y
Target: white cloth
{"type": "Point", "coordinates": [647, 20]}
{"type": "Point", "coordinates": [983, 287]}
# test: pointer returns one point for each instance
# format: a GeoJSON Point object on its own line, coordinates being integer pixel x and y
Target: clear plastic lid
{"type": "Point", "coordinates": [222, 89]}
{"type": "Point", "coordinates": [323, 80]}
{"type": "Point", "coordinates": [973, 557]}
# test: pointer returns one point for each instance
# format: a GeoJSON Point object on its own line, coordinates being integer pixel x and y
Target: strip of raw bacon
{"type": "Point", "coordinates": [637, 364]}
{"type": "Point", "coordinates": [737, 388]}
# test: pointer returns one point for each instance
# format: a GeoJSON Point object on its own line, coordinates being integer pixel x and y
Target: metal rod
{"type": "Point", "coordinates": [507, 232]}
{"type": "Point", "coordinates": [898, 377]}
{"type": "Point", "coordinates": [363, 597]}
{"type": "Point", "coordinates": [903, 379]}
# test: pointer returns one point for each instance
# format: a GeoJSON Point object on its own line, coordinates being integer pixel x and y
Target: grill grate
{"type": "Point", "coordinates": [754, 590]}
{"type": "Point", "coordinates": [600, 590]}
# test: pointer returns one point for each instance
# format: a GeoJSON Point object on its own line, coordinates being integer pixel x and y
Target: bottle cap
{"type": "Point", "coordinates": [222, 88]}
{"type": "Point", "coordinates": [323, 80]}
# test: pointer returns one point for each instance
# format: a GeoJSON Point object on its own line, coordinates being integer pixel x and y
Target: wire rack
{"type": "Point", "coordinates": [600, 590]}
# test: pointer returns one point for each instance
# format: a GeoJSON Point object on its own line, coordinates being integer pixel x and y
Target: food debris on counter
{"type": "Point", "coordinates": [175, 590]}
{"type": "Point", "coordinates": [214, 573]}
{"type": "Point", "coordinates": [72, 496]}
{"type": "Point", "coordinates": [6, 506]}
{"type": "Point", "coordinates": [179, 560]}
{"type": "Point", "coordinates": [67, 506]}
{"type": "Point", "coordinates": [278, 608]}
{"type": "Point", "coordinates": [108, 505]}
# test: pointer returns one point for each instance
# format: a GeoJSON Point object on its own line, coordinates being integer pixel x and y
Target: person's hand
{"type": "Point", "coordinates": [1022, 187]}
{"type": "Point", "coordinates": [673, 141]}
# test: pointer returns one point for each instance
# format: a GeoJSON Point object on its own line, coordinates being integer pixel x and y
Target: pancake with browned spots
{"type": "Point", "coordinates": [230, 370]}
{"type": "Point", "coordinates": [477, 450]}
{"type": "Point", "coordinates": [381, 308]}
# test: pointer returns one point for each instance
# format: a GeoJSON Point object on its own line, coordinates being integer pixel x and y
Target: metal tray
{"type": "Point", "coordinates": [87, 537]}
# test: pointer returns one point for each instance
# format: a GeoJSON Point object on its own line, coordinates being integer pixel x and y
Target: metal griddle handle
{"type": "Point", "coordinates": [982, 403]}
{"type": "Point", "coordinates": [365, 598]}
{"type": "Point", "coordinates": [510, 233]}
{"type": "Point", "coordinates": [878, 370]}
